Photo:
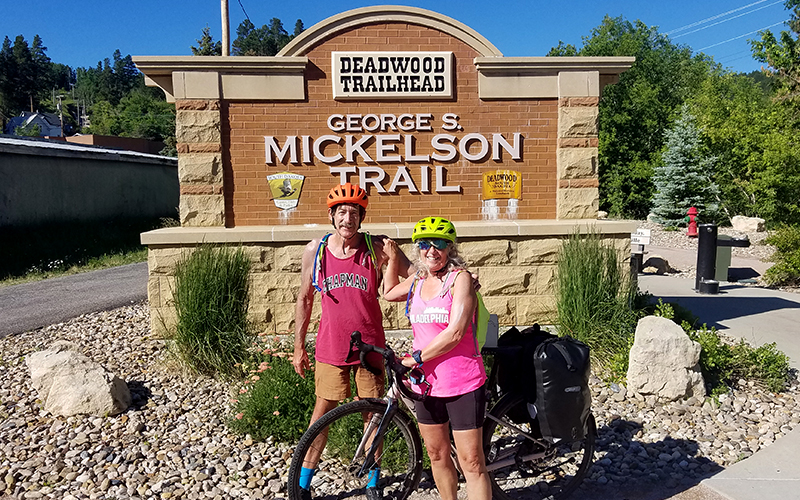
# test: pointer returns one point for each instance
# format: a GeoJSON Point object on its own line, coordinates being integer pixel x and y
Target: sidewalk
{"type": "Point", "coordinates": [759, 316]}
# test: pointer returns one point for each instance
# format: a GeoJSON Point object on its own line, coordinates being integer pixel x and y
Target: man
{"type": "Point", "coordinates": [345, 268]}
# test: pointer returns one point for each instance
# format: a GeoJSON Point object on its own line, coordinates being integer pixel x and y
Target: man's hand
{"type": "Point", "coordinates": [300, 361]}
{"type": "Point", "coordinates": [390, 248]}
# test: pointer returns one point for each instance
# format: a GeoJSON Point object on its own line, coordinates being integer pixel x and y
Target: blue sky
{"type": "Point", "coordinates": [83, 33]}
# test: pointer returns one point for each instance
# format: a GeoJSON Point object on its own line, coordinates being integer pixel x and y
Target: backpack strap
{"type": "Point", "coordinates": [368, 239]}
{"type": "Point", "coordinates": [411, 295]}
{"type": "Point", "coordinates": [479, 317]}
{"type": "Point", "coordinates": [318, 262]}
{"type": "Point", "coordinates": [323, 243]}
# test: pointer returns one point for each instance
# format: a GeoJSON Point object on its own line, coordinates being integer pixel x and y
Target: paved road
{"type": "Point", "coordinates": [34, 305]}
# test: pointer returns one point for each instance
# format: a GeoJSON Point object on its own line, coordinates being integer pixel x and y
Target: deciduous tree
{"type": "Point", "coordinates": [635, 112]}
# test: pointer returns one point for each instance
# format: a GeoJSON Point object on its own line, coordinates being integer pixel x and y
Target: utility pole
{"type": "Point", "coordinates": [226, 29]}
{"type": "Point", "coordinates": [60, 114]}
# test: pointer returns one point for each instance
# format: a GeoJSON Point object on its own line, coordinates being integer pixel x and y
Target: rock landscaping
{"type": "Point", "coordinates": [173, 442]}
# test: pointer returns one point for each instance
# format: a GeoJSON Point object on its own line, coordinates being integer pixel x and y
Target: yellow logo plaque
{"type": "Point", "coordinates": [502, 184]}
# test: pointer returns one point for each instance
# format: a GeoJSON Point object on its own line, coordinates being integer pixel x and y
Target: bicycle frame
{"type": "Point", "coordinates": [392, 407]}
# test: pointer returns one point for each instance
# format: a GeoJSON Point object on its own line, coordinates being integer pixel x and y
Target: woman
{"type": "Point", "coordinates": [441, 304]}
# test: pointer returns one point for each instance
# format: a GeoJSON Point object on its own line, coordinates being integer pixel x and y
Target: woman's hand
{"type": "Point", "coordinates": [408, 361]}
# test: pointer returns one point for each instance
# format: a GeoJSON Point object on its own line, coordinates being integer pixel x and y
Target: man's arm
{"type": "Point", "coordinates": [302, 309]}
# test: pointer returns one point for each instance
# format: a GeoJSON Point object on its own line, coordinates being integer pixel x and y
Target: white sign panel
{"type": "Point", "coordinates": [640, 237]}
{"type": "Point", "coordinates": [399, 75]}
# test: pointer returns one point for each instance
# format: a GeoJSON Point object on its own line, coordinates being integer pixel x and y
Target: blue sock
{"type": "Point", "coordinates": [305, 477]}
{"type": "Point", "coordinates": [374, 475]}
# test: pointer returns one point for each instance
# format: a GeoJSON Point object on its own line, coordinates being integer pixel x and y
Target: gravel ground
{"type": "Point", "coordinates": [173, 442]}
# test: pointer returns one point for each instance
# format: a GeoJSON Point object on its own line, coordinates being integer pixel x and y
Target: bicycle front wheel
{"type": "Point", "coordinates": [341, 472]}
{"type": "Point", "coordinates": [525, 466]}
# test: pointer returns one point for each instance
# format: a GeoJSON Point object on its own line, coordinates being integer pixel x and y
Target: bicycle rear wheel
{"type": "Point", "coordinates": [522, 468]}
{"type": "Point", "coordinates": [340, 474]}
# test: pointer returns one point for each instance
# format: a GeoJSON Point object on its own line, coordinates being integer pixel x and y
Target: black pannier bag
{"type": "Point", "coordinates": [514, 364]}
{"type": "Point", "coordinates": [562, 397]}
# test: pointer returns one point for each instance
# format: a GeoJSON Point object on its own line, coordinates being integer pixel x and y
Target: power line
{"type": "Point", "coordinates": [740, 36]}
{"type": "Point", "coordinates": [728, 19]}
{"type": "Point", "coordinates": [692, 25]}
{"type": "Point", "coordinates": [248, 17]}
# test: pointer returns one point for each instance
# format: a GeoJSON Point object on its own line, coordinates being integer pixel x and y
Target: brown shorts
{"type": "Point", "coordinates": [333, 382]}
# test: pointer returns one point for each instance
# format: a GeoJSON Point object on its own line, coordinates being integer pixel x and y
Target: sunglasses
{"type": "Point", "coordinates": [438, 244]}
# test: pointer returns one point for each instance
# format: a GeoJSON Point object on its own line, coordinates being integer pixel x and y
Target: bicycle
{"type": "Point", "coordinates": [369, 433]}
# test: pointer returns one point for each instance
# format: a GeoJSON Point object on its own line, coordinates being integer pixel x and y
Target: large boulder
{"type": "Point", "coordinates": [664, 361]}
{"type": "Point", "coordinates": [747, 224]}
{"type": "Point", "coordinates": [69, 383]}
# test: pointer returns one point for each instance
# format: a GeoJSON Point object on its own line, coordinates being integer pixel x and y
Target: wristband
{"type": "Point", "coordinates": [417, 355]}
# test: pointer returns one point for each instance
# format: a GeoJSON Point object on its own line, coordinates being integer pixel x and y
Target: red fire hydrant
{"type": "Point", "coordinates": [691, 218]}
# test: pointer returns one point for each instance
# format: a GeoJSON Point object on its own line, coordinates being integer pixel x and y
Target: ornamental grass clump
{"type": "Point", "coordinates": [595, 297]}
{"type": "Point", "coordinates": [212, 293]}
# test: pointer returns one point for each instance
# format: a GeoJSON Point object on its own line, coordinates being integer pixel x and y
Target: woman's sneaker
{"type": "Point", "coordinates": [374, 493]}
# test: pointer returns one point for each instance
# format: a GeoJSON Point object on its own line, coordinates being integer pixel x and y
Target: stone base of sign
{"type": "Point", "coordinates": [516, 263]}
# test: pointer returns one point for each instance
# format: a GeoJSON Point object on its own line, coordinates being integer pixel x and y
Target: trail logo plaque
{"type": "Point", "coordinates": [285, 188]}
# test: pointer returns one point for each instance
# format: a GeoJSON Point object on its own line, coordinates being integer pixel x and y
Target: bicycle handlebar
{"type": "Point", "coordinates": [394, 367]}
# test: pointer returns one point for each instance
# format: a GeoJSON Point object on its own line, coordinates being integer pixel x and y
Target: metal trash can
{"type": "Point", "coordinates": [723, 258]}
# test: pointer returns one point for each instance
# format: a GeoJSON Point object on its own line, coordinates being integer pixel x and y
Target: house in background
{"type": "Point", "coordinates": [49, 123]}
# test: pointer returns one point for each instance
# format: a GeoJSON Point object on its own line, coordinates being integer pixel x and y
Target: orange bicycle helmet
{"type": "Point", "coordinates": [347, 193]}
{"type": "Point", "coordinates": [434, 227]}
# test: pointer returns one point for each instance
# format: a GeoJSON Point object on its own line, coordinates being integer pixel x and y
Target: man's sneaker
{"type": "Point", "coordinates": [305, 494]}
{"type": "Point", "coordinates": [374, 493]}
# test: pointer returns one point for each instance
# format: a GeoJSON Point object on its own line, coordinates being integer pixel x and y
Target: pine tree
{"type": "Point", "coordinates": [683, 178]}
{"type": "Point", "coordinates": [206, 46]}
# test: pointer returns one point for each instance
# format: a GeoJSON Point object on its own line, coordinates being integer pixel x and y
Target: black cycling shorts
{"type": "Point", "coordinates": [464, 412]}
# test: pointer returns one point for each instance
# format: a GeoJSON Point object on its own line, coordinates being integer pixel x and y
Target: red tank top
{"type": "Point", "coordinates": [349, 302]}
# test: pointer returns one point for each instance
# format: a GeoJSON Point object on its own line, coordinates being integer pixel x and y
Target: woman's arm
{"type": "Point", "coordinates": [461, 315]}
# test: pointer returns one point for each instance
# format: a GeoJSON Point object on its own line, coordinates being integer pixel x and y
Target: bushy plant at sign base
{"type": "Point", "coordinates": [765, 364]}
{"type": "Point", "coordinates": [274, 400]}
{"type": "Point", "coordinates": [722, 364]}
{"type": "Point", "coordinates": [595, 296]}
{"type": "Point", "coordinates": [786, 270]}
{"type": "Point", "coordinates": [212, 294]}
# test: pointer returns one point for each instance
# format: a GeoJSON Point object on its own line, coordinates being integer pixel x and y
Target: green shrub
{"type": "Point", "coordinates": [595, 297]}
{"type": "Point", "coordinates": [765, 364]}
{"type": "Point", "coordinates": [786, 270]}
{"type": "Point", "coordinates": [723, 364]}
{"type": "Point", "coordinates": [212, 294]}
{"type": "Point", "coordinates": [675, 312]}
{"type": "Point", "coordinates": [274, 400]}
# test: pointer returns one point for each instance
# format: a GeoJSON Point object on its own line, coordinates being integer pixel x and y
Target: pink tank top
{"type": "Point", "coordinates": [459, 371]}
{"type": "Point", "coordinates": [349, 302]}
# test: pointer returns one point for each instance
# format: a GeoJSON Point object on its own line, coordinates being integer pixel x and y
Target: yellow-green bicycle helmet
{"type": "Point", "coordinates": [434, 227]}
